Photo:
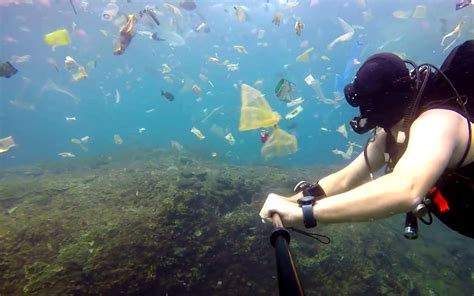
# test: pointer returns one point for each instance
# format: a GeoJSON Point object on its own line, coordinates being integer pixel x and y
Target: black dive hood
{"type": "Point", "coordinates": [382, 89]}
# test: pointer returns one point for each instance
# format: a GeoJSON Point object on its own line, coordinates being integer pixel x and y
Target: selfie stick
{"type": "Point", "coordinates": [288, 280]}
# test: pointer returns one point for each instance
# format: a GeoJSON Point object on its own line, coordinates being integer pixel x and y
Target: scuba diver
{"type": "Point", "coordinates": [422, 124]}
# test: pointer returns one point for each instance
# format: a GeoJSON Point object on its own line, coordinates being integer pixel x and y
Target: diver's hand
{"type": "Point", "coordinates": [290, 213]}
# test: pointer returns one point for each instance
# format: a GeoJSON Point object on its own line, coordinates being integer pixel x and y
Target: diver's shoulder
{"type": "Point", "coordinates": [440, 114]}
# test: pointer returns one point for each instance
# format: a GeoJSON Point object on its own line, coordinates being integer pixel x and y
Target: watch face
{"type": "Point", "coordinates": [306, 200]}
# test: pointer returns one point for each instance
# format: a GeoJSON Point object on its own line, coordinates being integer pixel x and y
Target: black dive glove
{"type": "Point", "coordinates": [311, 193]}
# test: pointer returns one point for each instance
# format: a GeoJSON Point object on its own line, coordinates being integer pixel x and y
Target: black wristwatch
{"type": "Point", "coordinates": [306, 203]}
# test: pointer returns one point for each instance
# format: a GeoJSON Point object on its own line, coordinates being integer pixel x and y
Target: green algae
{"type": "Point", "coordinates": [157, 223]}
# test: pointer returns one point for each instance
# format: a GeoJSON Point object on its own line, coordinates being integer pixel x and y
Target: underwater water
{"type": "Point", "coordinates": [105, 189]}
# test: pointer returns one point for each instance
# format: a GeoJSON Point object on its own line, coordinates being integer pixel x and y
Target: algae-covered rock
{"type": "Point", "coordinates": [129, 225]}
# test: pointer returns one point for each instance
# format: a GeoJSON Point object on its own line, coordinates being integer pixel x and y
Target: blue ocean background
{"type": "Point", "coordinates": [42, 133]}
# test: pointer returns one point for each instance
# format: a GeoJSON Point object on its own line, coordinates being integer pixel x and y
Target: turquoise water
{"type": "Point", "coordinates": [42, 133]}
{"type": "Point", "coordinates": [122, 93]}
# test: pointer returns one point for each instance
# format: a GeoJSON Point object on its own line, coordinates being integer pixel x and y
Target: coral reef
{"type": "Point", "coordinates": [155, 222]}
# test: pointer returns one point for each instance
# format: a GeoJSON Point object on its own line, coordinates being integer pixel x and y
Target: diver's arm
{"type": "Point", "coordinates": [435, 143]}
{"type": "Point", "coordinates": [356, 173]}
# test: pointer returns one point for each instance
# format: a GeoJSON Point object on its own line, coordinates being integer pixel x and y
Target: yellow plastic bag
{"type": "Point", "coordinates": [255, 112]}
{"type": "Point", "coordinates": [280, 143]}
{"type": "Point", "coordinates": [57, 38]}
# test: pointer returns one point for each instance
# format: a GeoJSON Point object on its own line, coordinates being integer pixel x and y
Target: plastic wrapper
{"type": "Point", "coordinates": [198, 133]}
{"type": "Point", "coordinates": [118, 139]}
{"type": "Point", "coordinates": [125, 35]}
{"type": "Point", "coordinates": [230, 139]}
{"type": "Point", "coordinates": [6, 144]}
{"type": "Point", "coordinates": [295, 112]}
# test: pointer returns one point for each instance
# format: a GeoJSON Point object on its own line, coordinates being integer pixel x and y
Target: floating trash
{"type": "Point", "coordinates": [230, 139]}
{"type": "Point", "coordinates": [118, 139]}
{"type": "Point", "coordinates": [420, 12]}
{"type": "Point", "coordinates": [277, 18]}
{"type": "Point", "coordinates": [240, 13]}
{"type": "Point", "coordinates": [110, 11]}
{"type": "Point", "coordinates": [299, 26]}
{"type": "Point", "coordinates": [66, 155]}
{"type": "Point", "coordinates": [342, 130]}
{"type": "Point", "coordinates": [304, 57]}
{"type": "Point", "coordinates": [279, 144]}
{"type": "Point", "coordinates": [284, 90]}
{"type": "Point", "coordinates": [187, 5]}
{"type": "Point", "coordinates": [198, 133]}
{"type": "Point", "coordinates": [6, 144]}
{"type": "Point", "coordinates": [57, 38]}
{"type": "Point", "coordinates": [240, 49]}
{"type": "Point", "coordinates": [255, 112]}
{"type": "Point", "coordinates": [295, 112]}
{"type": "Point", "coordinates": [126, 34]}
{"type": "Point", "coordinates": [7, 70]}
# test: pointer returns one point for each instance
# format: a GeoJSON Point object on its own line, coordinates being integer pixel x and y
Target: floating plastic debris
{"type": "Point", "coordinates": [118, 98]}
{"type": "Point", "coordinates": [456, 33]}
{"type": "Point", "coordinates": [277, 18]}
{"type": "Point", "coordinates": [80, 144]}
{"type": "Point", "coordinates": [66, 155]}
{"type": "Point", "coordinates": [57, 38]}
{"type": "Point", "coordinates": [240, 13]}
{"type": "Point", "coordinates": [198, 133]}
{"type": "Point", "coordinates": [349, 33]}
{"type": "Point", "coordinates": [295, 112]}
{"type": "Point", "coordinates": [50, 86]}
{"type": "Point", "coordinates": [279, 144]}
{"type": "Point", "coordinates": [6, 144]}
{"type": "Point", "coordinates": [309, 80]}
{"type": "Point", "coordinates": [420, 12]}
{"type": "Point", "coordinates": [255, 112]}
{"type": "Point", "coordinates": [118, 139]}
{"type": "Point", "coordinates": [150, 110]}
{"type": "Point", "coordinates": [175, 10]}
{"type": "Point", "coordinates": [348, 154]}
{"type": "Point", "coordinates": [233, 67]}
{"type": "Point", "coordinates": [342, 130]}
{"type": "Point", "coordinates": [187, 5]}
{"type": "Point", "coordinates": [464, 3]}
{"type": "Point", "coordinates": [401, 14]}
{"type": "Point", "coordinates": [196, 89]}
{"type": "Point", "coordinates": [7, 70]}
{"type": "Point", "coordinates": [304, 57]}
{"type": "Point", "coordinates": [295, 102]}
{"type": "Point", "coordinates": [20, 59]}
{"type": "Point", "coordinates": [299, 26]}
{"type": "Point", "coordinates": [126, 34]}
{"type": "Point", "coordinates": [70, 119]}
{"type": "Point", "coordinates": [240, 49]}
{"type": "Point", "coordinates": [284, 90]}
{"type": "Point", "coordinates": [141, 130]}
{"type": "Point", "coordinates": [165, 69]}
{"type": "Point", "coordinates": [230, 139]}
{"type": "Point", "coordinates": [110, 11]}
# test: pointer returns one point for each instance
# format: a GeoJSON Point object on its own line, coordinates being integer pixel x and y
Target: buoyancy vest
{"type": "Point", "coordinates": [451, 199]}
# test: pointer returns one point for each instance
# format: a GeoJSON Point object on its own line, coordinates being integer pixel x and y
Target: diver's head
{"type": "Point", "coordinates": [382, 89]}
